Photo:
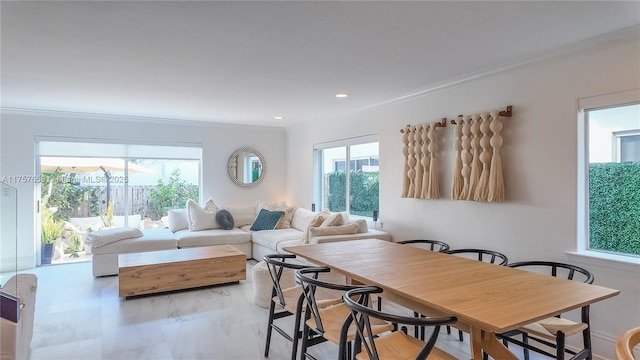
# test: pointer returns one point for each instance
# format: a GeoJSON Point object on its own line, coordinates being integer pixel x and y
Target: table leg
{"type": "Point", "coordinates": [487, 341]}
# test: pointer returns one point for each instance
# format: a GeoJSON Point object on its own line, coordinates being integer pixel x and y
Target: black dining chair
{"type": "Point", "coordinates": [484, 255]}
{"type": "Point", "coordinates": [489, 256]}
{"type": "Point", "coordinates": [390, 345]}
{"type": "Point", "coordinates": [325, 323]}
{"type": "Point", "coordinates": [552, 332]}
{"type": "Point", "coordinates": [289, 301]}
{"type": "Point", "coordinates": [433, 245]}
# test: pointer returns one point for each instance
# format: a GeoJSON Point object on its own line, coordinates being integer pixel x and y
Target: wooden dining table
{"type": "Point", "coordinates": [487, 299]}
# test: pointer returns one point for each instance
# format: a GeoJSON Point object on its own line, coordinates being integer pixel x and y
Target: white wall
{"type": "Point", "coordinates": [538, 220]}
{"type": "Point", "coordinates": [19, 130]}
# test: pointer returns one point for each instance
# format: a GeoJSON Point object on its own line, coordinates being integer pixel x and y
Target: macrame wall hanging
{"type": "Point", "coordinates": [420, 146]}
{"type": "Point", "coordinates": [477, 170]}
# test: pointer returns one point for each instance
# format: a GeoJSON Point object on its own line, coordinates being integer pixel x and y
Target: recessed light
{"type": "Point", "coordinates": [278, 118]}
{"type": "Point", "coordinates": [342, 95]}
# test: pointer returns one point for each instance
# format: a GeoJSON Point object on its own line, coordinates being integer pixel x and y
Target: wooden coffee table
{"type": "Point", "coordinates": [168, 270]}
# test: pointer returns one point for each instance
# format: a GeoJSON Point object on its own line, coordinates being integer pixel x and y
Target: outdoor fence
{"type": "Point", "coordinates": [138, 200]}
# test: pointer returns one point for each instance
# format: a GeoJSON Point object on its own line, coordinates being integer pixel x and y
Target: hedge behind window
{"type": "Point", "coordinates": [614, 207]}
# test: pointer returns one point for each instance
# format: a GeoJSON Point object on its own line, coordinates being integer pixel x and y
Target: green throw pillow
{"type": "Point", "coordinates": [267, 220]}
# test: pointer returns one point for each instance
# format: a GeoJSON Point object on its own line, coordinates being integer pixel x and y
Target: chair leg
{"type": "Point", "coordinates": [305, 339]}
{"type": "Point", "coordinates": [296, 327]}
{"type": "Point", "coordinates": [448, 330]}
{"type": "Point", "coordinates": [272, 309]}
{"type": "Point", "coordinates": [560, 345]}
{"type": "Point", "coordinates": [586, 333]}
{"type": "Point", "coordinates": [460, 335]}
{"type": "Point", "coordinates": [525, 339]}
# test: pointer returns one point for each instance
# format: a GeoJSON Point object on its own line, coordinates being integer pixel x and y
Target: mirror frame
{"type": "Point", "coordinates": [231, 166]}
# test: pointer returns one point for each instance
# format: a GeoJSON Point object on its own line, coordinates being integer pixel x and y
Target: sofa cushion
{"type": "Point", "coordinates": [282, 244]}
{"type": "Point", "coordinates": [301, 218]}
{"type": "Point", "coordinates": [271, 238]}
{"type": "Point", "coordinates": [202, 217]}
{"type": "Point", "coordinates": [333, 230]}
{"type": "Point", "coordinates": [270, 206]}
{"type": "Point", "coordinates": [334, 219]}
{"type": "Point", "coordinates": [103, 237]}
{"type": "Point", "coordinates": [363, 227]}
{"type": "Point", "coordinates": [224, 219]}
{"type": "Point", "coordinates": [178, 219]}
{"type": "Point", "coordinates": [242, 215]}
{"type": "Point", "coordinates": [266, 220]}
{"type": "Point", "coordinates": [285, 221]}
{"type": "Point", "coordinates": [315, 222]}
{"type": "Point", "coordinates": [151, 239]}
{"type": "Point", "coordinates": [371, 234]}
{"type": "Point", "coordinates": [188, 238]}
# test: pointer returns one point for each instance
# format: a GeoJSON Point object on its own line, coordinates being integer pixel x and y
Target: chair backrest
{"type": "Point", "coordinates": [308, 277]}
{"type": "Point", "coordinates": [433, 245]}
{"type": "Point", "coordinates": [557, 269]}
{"type": "Point", "coordinates": [625, 344]}
{"type": "Point", "coordinates": [358, 301]}
{"type": "Point", "coordinates": [276, 265]}
{"type": "Point", "coordinates": [490, 256]}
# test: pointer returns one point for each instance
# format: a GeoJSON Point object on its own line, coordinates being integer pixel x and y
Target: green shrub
{"type": "Point", "coordinates": [364, 192]}
{"type": "Point", "coordinates": [614, 207]}
{"type": "Point", "coordinates": [172, 195]}
{"type": "Point", "coordinates": [67, 194]}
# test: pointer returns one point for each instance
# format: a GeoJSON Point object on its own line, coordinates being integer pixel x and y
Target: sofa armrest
{"type": "Point", "coordinates": [371, 234]}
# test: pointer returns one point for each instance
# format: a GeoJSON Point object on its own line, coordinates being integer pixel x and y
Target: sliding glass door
{"type": "Point", "coordinates": [84, 194]}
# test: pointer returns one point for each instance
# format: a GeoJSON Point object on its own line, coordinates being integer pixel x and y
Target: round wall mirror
{"type": "Point", "coordinates": [246, 167]}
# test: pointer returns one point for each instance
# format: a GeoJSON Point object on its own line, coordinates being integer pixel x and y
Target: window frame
{"type": "Point", "coordinates": [319, 183]}
{"type": "Point", "coordinates": [584, 105]}
{"type": "Point", "coordinates": [618, 136]}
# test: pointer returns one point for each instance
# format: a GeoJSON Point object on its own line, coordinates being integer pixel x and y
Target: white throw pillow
{"type": "Point", "coordinates": [202, 218]}
{"type": "Point", "coordinates": [301, 218]}
{"type": "Point", "coordinates": [178, 219]}
{"type": "Point", "coordinates": [313, 223]}
{"type": "Point", "coordinates": [279, 206]}
{"type": "Point", "coordinates": [362, 225]}
{"type": "Point", "coordinates": [345, 217]}
{"type": "Point", "coordinates": [335, 219]}
{"type": "Point", "coordinates": [242, 215]}
{"type": "Point", "coordinates": [285, 221]}
{"type": "Point", "coordinates": [333, 230]}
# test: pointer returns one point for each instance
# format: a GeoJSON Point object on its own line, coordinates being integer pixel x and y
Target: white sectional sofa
{"type": "Point", "coordinates": [255, 244]}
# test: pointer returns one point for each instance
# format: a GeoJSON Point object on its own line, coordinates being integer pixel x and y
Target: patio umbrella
{"type": "Point", "coordinates": [88, 165]}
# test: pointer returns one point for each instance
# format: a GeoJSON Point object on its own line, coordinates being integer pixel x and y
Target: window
{"type": "Point", "coordinates": [112, 185]}
{"type": "Point", "coordinates": [359, 192]}
{"type": "Point", "coordinates": [610, 164]}
{"type": "Point", "coordinates": [627, 146]}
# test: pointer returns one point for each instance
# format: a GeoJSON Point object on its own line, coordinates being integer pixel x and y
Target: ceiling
{"type": "Point", "coordinates": [246, 62]}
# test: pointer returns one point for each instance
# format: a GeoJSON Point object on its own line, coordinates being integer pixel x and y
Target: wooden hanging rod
{"type": "Point", "coordinates": [441, 123]}
{"type": "Point", "coordinates": [504, 113]}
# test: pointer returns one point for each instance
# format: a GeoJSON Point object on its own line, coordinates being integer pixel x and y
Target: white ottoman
{"type": "Point", "coordinates": [263, 286]}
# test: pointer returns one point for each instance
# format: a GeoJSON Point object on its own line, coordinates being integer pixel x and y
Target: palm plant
{"type": "Point", "coordinates": [51, 228]}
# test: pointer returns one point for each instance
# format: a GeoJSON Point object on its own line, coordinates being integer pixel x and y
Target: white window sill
{"type": "Point", "coordinates": [614, 261]}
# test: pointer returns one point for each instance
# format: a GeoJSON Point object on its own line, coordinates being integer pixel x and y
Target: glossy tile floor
{"type": "Point", "coordinates": [81, 317]}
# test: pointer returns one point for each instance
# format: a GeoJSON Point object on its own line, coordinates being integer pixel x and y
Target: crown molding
{"type": "Point", "coordinates": [133, 118]}
{"type": "Point", "coordinates": [622, 36]}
